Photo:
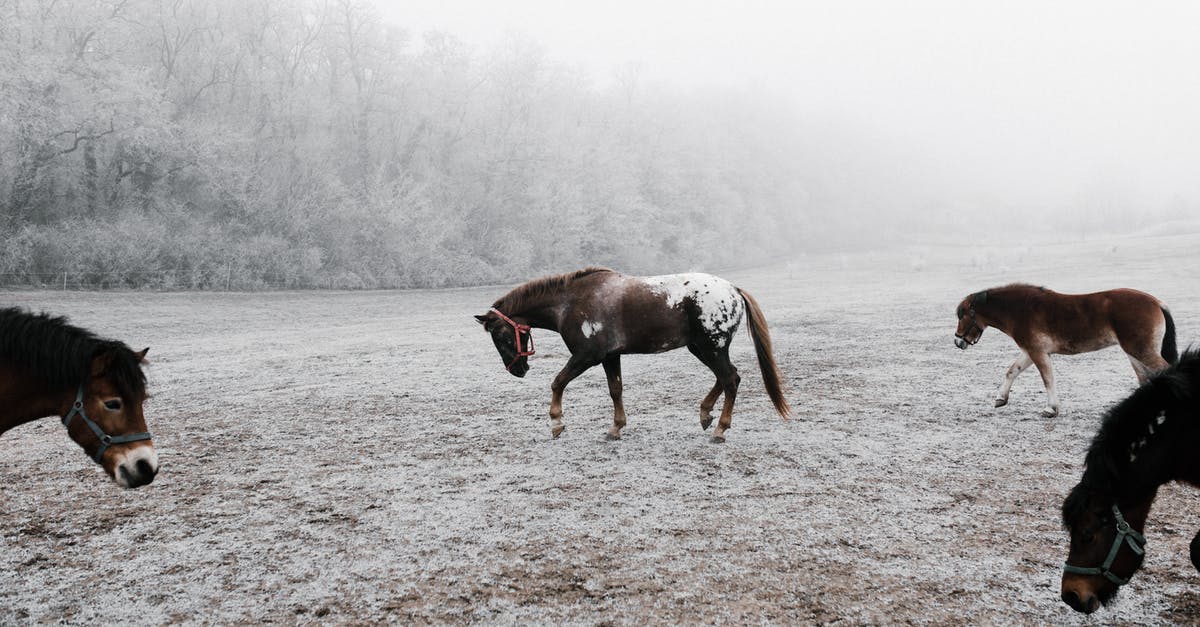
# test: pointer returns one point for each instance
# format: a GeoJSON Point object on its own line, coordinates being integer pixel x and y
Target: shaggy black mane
{"type": "Point", "coordinates": [61, 354]}
{"type": "Point", "coordinates": [1108, 470]}
{"type": "Point", "coordinates": [526, 293]}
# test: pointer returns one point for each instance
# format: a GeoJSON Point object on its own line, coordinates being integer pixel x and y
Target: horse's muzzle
{"type": "Point", "coordinates": [961, 342]}
{"type": "Point", "coordinates": [1088, 604]}
{"type": "Point", "coordinates": [137, 468]}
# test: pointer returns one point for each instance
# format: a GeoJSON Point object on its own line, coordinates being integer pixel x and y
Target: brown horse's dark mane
{"type": "Point", "coordinates": [1109, 470]}
{"type": "Point", "coordinates": [60, 354]}
{"type": "Point", "coordinates": [531, 292]}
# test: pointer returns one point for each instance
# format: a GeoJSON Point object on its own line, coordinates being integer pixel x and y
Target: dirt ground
{"type": "Point", "coordinates": [363, 457]}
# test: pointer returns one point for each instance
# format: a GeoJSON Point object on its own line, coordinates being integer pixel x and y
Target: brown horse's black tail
{"type": "Point", "coordinates": [766, 359]}
{"type": "Point", "coordinates": [1169, 352]}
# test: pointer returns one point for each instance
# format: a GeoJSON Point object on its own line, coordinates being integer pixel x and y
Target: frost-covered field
{"type": "Point", "coordinates": [346, 457]}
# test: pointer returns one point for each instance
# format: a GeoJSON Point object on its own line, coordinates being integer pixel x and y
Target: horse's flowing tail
{"type": "Point", "coordinates": [766, 359]}
{"type": "Point", "coordinates": [1169, 352]}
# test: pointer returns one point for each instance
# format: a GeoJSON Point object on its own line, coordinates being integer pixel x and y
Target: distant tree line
{"type": "Point", "coordinates": [199, 143]}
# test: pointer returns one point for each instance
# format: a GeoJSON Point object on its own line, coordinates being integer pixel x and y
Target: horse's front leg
{"type": "Point", "coordinates": [612, 370]}
{"type": "Point", "coordinates": [1019, 366]}
{"type": "Point", "coordinates": [576, 366]}
{"type": "Point", "coordinates": [1042, 361]}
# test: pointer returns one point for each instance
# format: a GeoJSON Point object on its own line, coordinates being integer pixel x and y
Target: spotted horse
{"type": "Point", "coordinates": [602, 314]}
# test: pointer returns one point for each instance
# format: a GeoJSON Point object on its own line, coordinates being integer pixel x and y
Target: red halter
{"type": "Point", "coordinates": [519, 328]}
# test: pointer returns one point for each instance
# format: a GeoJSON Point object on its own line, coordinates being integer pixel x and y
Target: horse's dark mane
{"type": "Point", "coordinates": [1108, 458]}
{"type": "Point", "coordinates": [61, 354]}
{"type": "Point", "coordinates": [530, 292]}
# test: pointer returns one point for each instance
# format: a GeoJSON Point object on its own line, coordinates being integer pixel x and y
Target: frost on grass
{"type": "Point", "coordinates": [363, 457]}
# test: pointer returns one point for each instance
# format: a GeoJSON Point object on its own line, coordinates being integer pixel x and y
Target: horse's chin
{"type": "Point", "coordinates": [519, 371]}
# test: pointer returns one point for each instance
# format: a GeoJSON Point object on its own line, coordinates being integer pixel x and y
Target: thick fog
{"type": "Point", "coordinates": [356, 144]}
{"type": "Point", "coordinates": [1080, 114]}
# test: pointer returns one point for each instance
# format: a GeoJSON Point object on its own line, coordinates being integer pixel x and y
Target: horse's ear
{"type": "Point", "coordinates": [979, 298]}
{"type": "Point", "coordinates": [481, 319]}
{"type": "Point", "coordinates": [141, 356]}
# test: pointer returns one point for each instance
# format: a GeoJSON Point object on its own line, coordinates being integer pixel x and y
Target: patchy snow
{"type": "Point", "coordinates": [361, 457]}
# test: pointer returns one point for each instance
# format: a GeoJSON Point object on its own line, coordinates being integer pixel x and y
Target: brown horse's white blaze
{"type": "Point", "coordinates": [1043, 323]}
{"type": "Point", "coordinates": [602, 315]}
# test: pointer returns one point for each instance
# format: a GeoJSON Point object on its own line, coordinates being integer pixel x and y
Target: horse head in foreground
{"type": "Point", "coordinates": [602, 314]}
{"type": "Point", "coordinates": [97, 387]}
{"type": "Point", "coordinates": [1043, 322]}
{"type": "Point", "coordinates": [1147, 440]}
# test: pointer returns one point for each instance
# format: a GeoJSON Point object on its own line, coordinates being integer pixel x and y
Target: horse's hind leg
{"type": "Point", "coordinates": [612, 369]}
{"type": "Point", "coordinates": [1014, 371]}
{"type": "Point", "coordinates": [1146, 363]}
{"type": "Point", "coordinates": [706, 405]}
{"type": "Point", "coordinates": [717, 360]}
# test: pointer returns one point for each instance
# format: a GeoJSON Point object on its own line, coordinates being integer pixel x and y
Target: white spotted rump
{"type": "Point", "coordinates": [719, 304]}
{"type": "Point", "coordinates": [590, 328]}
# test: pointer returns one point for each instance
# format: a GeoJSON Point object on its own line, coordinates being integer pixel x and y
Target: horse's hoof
{"type": "Point", "coordinates": [1001, 402]}
{"type": "Point", "coordinates": [705, 423]}
{"type": "Point", "coordinates": [718, 439]}
{"type": "Point", "coordinates": [612, 436]}
{"type": "Point", "coordinates": [557, 430]}
{"type": "Point", "coordinates": [1049, 412]}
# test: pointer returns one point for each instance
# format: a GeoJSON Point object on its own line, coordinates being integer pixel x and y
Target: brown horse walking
{"type": "Point", "coordinates": [602, 314]}
{"type": "Point", "coordinates": [1148, 439]}
{"type": "Point", "coordinates": [48, 367]}
{"type": "Point", "coordinates": [1043, 322]}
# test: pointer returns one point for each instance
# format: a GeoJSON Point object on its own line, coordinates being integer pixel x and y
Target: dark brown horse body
{"type": "Point", "coordinates": [48, 368]}
{"type": "Point", "coordinates": [1148, 439]}
{"type": "Point", "coordinates": [602, 314]}
{"type": "Point", "coordinates": [1043, 322]}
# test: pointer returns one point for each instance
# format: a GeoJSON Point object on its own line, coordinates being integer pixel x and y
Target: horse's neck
{"type": "Point", "coordinates": [23, 400]}
{"type": "Point", "coordinates": [544, 312]}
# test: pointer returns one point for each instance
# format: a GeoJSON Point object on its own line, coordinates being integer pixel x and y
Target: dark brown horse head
{"type": "Point", "coordinates": [1105, 549]}
{"type": "Point", "coordinates": [112, 399]}
{"type": "Point", "coordinates": [513, 340]}
{"type": "Point", "coordinates": [971, 321]}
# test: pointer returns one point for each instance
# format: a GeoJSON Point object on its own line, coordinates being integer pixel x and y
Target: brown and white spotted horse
{"type": "Point", "coordinates": [602, 314]}
{"type": "Point", "coordinates": [1043, 322]}
{"type": "Point", "coordinates": [48, 367]}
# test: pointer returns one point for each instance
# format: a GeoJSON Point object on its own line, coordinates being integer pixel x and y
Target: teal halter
{"type": "Point", "coordinates": [1125, 535]}
{"type": "Point", "coordinates": [106, 440]}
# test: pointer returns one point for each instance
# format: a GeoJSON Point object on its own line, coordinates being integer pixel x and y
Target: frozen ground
{"type": "Point", "coordinates": [349, 457]}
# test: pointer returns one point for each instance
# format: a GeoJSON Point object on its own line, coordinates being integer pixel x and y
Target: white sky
{"type": "Point", "coordinates": [1033, 100]}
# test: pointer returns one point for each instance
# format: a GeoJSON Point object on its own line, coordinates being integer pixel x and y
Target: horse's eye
{"type": "Point", "coordinates": [114, 405]}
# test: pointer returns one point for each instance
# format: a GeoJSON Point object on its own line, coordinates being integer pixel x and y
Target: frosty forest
{"type": "Point", "coordinates": [309, 210]}
{"type": "Point", "coordinates": [307, 144]}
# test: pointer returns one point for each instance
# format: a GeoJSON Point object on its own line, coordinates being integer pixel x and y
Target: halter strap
{"type": "Point", "coordinates": [1125, 535]}
{"type": "Point", "coordinates": [974, 325]}
{"type": "Point", "coordinates": [106, 440]}
{"type": "Point", "coordinates": [519, 328]}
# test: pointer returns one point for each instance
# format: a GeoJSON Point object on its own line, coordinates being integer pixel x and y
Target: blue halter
{"type": "Point", "coordinates": [106, 440]}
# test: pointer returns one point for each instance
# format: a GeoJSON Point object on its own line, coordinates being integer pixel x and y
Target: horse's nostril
{"type": "Point", "coordinates": [144, 468]}
{"type": "Point", "coordinates": [1086, 605]}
